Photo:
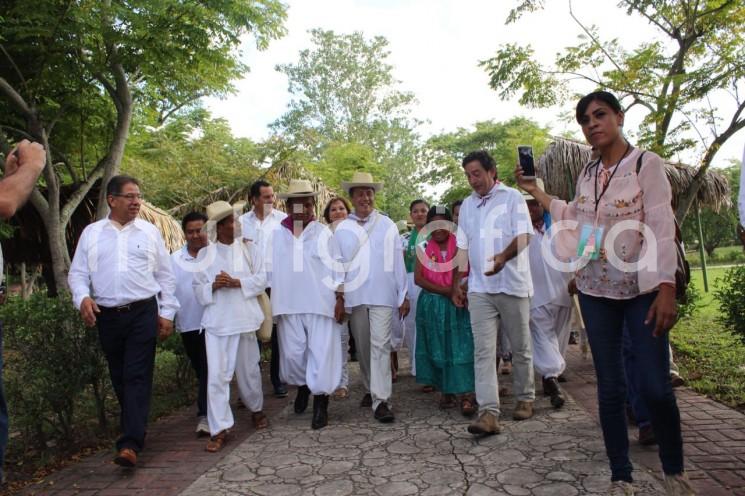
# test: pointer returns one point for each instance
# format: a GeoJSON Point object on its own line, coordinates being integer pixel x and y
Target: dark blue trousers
{"type": "Point", "coordinates": [197, 352]}
{"type": "Point", "coordinates": [128, 340]}
{"type": "Point", "coordinates": [604, 320]}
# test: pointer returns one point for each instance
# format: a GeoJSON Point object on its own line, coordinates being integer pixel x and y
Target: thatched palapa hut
{"type": "Point", "coordinates": [564, 159]}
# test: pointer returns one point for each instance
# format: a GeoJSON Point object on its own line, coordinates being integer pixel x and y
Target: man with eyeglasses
{"type": "Point", "coordinates": [122, 281]}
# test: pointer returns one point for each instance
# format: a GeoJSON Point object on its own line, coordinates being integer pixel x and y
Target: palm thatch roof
{"type": "Point", "coordinates": [564, 159]}
{"type": "Point", "coordinates": [169, 227]}
{"type": "Point", "coordinates": [278, 175]}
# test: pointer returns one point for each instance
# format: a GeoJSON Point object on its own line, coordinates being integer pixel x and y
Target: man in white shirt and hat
{"type": "Point", "coordinates": [494, 228]}
{"type": "Point", "coordinates": [307, 278]}
{"type": "Point", "coordinates": [120, 265]}
{"type": "Point", "coordinates": [375, 288]}
{"type": "Point", "coordinates": [550, 306]}
{"type": "Point", "coordinates": [189, 316]}
{"type": "Point", "coordinates": [231, 276]}
{"type": "Point", "coordinates": [258, 226]}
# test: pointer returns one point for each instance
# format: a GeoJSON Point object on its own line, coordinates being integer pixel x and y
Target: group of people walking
{"type": "Point", "coordinates": [463, 276]}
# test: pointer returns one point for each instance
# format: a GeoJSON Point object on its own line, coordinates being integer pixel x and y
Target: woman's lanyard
{"type": "Point", "coordinates": [606, 183]}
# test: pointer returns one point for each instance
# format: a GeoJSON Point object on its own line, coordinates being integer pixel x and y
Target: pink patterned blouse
{"type": "Point", "coordinates": [645, 200]}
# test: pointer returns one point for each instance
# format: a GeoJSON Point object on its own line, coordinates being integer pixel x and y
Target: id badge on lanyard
{"type": "Point", "coordinates": [590, 241]}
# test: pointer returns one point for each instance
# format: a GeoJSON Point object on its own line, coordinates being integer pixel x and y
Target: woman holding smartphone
{"type": "Point", "coordinates": [623, 277]}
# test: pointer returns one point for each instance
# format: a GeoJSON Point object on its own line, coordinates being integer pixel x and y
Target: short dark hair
{"type": "Point", "coordinates": [482, 157]}
{"type": "Point", "coordinates": [191, 217]}
{"type": "Point", "coordinates": [439, 210]}
{"type": "Point", "coordinates": [116, 184]}
{"type": "Point", "coordinates": [600, 96]}
{"type": "Point", "coordinates": [255, 190]}
{"type": "Point", "coordinates": [456, 203]}
{"type": "Point", "coordinates": [327, 208]}
{"type": "Point", "coordinates": [417, 202]}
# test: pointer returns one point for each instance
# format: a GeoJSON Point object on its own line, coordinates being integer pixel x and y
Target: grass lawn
{"type": "Point", "coordinates": [711, 358]}
{"type": "Point", "coordinates": [724, 255]}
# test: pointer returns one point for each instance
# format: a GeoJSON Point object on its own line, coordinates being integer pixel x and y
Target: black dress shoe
{"type": "Point", "coordinates": [301, 400]}
{"type": "Point", "coordinates": [384, 414]}
{"type": "Point", "coordinates": [320, 411]}
{"type": "Point", "coordinates": [280, 392]}
{"type": "Point", "coordinates": [366, 401]}
{"type": "Point", "coordinates": [551, 388]}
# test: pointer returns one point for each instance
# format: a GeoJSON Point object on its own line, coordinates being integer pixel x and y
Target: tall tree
{"type": "Point", "coordinates": [73, 73]}
{"type": "Point", "coordinates": [189, 157]}
{"type": "Point", "coordinates": [344, 92]}
{"type": "Point", "coordinates": [700, 55]}
{"type": "Point", "coordinates": [445, 152]}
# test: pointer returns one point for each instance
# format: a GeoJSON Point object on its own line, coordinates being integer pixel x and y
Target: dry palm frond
{"type": "Point", "coordinates": [169, 228]}
{"type": "Point", "coordinates": [564, 159]}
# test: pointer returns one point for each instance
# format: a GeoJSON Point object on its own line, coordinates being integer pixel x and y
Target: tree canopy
{"type": "Point", "coordinates": [700, 54]}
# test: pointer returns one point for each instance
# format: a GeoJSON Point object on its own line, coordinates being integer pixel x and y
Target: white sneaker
{"type": "Point", "coordinates": [203, 427]}
{"type": "Point", "coordinates": [678, 485]}
{"type": "Point", "coordinates": [621, 488]}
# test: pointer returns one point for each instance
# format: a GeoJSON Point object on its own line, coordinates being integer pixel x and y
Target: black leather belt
{"type": "Point", "coordinates": [128, 307]}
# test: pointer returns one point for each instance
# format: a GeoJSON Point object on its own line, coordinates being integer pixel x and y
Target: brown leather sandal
{"type": "Point", "coordinates": [467, 406]}
{"type": "Point", "coordinates": [260, 421]}
{"type": "Point", "coordinates": [447, 401]}
{"type": "Point", "coordinates": [217, 442]}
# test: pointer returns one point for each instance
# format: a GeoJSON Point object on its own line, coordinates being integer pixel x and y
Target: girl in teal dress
{"type": "Point", "coordinates": [444, 346]}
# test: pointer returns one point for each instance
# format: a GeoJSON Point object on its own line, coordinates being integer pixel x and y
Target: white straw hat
{"type": "Point", "coordinates": [361, 179]}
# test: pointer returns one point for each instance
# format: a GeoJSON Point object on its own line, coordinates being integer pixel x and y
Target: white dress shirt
{"type": "Point", "coordinates": [376, 275]}
{"type": "Point", "coordinates": [260, 232]}
{"type": "Point", "coordinates": [189, 315]}
{"type": "Point", "coordinates": [306, 271]}
{"type": "Point", "coordinates": [549, 285]}
{"type": "Point", "coordinates": [486, 231]}
{"type": "Point", "coordinates": [120, 266]}
{"type": "Point", "coordinates": [230, 311]}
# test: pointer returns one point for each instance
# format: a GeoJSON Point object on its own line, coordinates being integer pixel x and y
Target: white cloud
{"type": "Point", "coordinates": [435, 47]}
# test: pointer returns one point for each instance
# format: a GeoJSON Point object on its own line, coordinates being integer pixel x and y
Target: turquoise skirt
{"type": "Point", "coordinates": [444, 345]}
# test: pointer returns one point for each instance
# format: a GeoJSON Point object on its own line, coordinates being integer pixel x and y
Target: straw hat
{"type": "Point", "coordinates": [299, 188]}
{"type": "Point", "coordinates": [218, 210]}
{"type": "Point", "coordinates": [361, 179]}
{"type": "Point", "coordinates": [539, 183]}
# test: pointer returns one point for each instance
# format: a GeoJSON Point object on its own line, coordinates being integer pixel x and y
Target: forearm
{"type": "Point", "coordinates": [15, 189]}
{"type": "Point", "coordinates": [518, 244]}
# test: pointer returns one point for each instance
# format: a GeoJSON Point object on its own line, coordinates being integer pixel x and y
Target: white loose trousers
{"type": "Point", "coordinates": [226, 355]}
{"type": "Point", "coordinates": [311, 354]}
{"type": "Point", "coordinates": [371, 328]}
{"type": "Point", "coordinates": [404, 332]}
{"type": "Point", "coordinates": [344, 340]}
{"type": "Point", "coordinates": [549, 326]}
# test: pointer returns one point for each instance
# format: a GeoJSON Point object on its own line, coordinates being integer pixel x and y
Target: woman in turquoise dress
{"type": "Point", "coordinates": [444, 346]}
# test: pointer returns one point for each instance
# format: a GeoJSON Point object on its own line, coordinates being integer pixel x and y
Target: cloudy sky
{"type": "Point", "coordinates": [435, 47]}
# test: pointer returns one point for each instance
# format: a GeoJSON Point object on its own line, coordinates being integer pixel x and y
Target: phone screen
{"type": "Point", "coordinates": [525, 154]}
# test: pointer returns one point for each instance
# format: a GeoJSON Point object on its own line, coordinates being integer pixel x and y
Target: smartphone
{"type": "Point", "coordinates": [525, 154]}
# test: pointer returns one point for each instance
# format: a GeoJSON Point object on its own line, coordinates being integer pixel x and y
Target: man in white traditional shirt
{"type": "Point", "coordinates": [120, 265]}
{"type": "Point", "coordinates": [307, 278]}
{"type": "Point", "coordinates": [374, 288]}
{"type": "Point", "coordinates": [189, 315]}
{"type": "Point", "coordinates": [258, 226]}
{"type": "Point", "coordinates": [231, 276]}
{"type": "Point", "coordinates": [550, 306]}
{"type": "Point", "coordinates": [493, 229]}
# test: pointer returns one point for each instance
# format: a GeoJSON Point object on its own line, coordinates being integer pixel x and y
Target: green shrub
{"type": "Point", "coordinates": [51, 359]}
{"type": "Point", "coordinates": [692, 302]}
{"type": "Point", "coordinates": [731, 298]}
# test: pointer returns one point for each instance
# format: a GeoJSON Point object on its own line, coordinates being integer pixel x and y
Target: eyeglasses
{"type": "Point", "coordinates": [130, 197]}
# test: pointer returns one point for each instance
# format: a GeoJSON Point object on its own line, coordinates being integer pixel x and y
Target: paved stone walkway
{"type": "Point", "coordinates": [426, 451]}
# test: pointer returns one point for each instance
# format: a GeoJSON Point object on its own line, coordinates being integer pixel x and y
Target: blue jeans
{"type": "Point", "coordinates": [3, 411]}
{"type": "Point", "coordinates": [604, 320]}
{"type": "Point", "coordinates": [633, 376]}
